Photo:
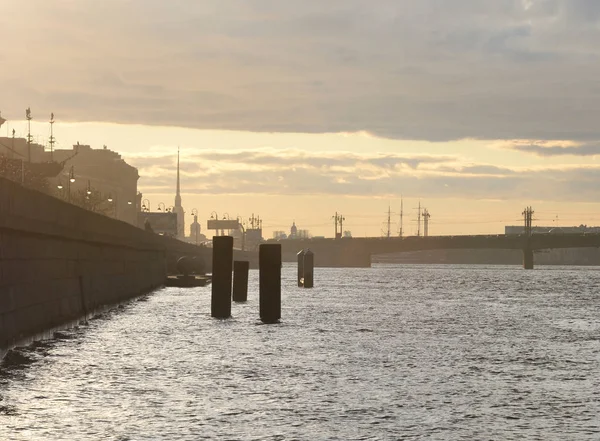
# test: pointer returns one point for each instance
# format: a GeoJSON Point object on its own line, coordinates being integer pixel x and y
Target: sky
{"type": "Point", "coordinates": [296, 110]}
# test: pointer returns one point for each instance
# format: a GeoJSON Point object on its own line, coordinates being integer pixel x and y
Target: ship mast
{"type": "Point", "coordinates": [401, 233]}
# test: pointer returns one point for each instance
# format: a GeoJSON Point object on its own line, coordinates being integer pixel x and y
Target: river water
{"type": "Point", "coordinates": [391, 352]}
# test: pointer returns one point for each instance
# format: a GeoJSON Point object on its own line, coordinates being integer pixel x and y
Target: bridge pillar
{"type": "Point", "coordinates": [527, 258]}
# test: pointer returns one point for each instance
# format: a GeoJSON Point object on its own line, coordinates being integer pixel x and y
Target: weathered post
{"type": "Point", "coordinates": [220, 306]}
{"type": "Point", "coordinates": [269, 261]}
{"type": "Point", "coordinates": [240, 280]}
{"type": "Point", "coordinates": [309, 268]}
{"type": "Point", "coordinates": [300, 256]}
{"type": "Point", "coordinates": [527, 258]}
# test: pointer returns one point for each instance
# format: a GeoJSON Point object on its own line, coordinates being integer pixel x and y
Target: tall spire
{"type": "Point", "coordinates": [178, 194]}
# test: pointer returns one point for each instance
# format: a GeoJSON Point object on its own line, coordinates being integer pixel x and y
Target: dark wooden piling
{"type": "Point", "coordinates": [309, 268]}
{"type": "Point", "coordinates": [269, 259]}
{"type": "Point", "coordinates": [240, 280]}
{"type": "Point", "coordinates": [220, 306]}
{"type": "Point", "coordinates": [300, 256]}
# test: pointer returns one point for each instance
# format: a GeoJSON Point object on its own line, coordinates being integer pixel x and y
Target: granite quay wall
{"type": "Point", "coordinates": [60, 263]}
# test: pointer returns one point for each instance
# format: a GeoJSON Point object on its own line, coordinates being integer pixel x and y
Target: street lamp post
{"type": "Point", "coordinates": [29, 137]}
{"type": "Point", "coordinates": [110, 200]}
{"type": "Point", "coordinates": [71, 180]}
{"type": "Point", "coordinates": [163, 207]}
{"type": "Point", "coordinates": [239, 219]}
{"type": "Point", "coordinates": [214, 215]}
{"type": "Point", "coordinates": [225, 217]}
{"type": "Point", "coordinates": [22, 163]}
{"type": "Point", "coordinates": [146, 205]}
{"type": "Point", "coordinates": [52, 139]}
{"type": "Point", "coordinates": [88, 196]}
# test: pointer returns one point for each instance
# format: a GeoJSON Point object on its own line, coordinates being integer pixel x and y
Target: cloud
{"type": "Point", "coordinates": [548, 149]}
{"type": "Point", "coordinates": [428, 69]}
{"type": "Point", "coordinates": [295, 172]}
{"type": "Point", "coordinates": [299, 158]}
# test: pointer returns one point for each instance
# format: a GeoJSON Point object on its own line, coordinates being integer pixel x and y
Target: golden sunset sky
{"type": "Point", "coordinates": [294, 110]}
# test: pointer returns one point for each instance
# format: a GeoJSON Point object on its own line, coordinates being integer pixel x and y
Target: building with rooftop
{"type": "Point", "coordinates": [101, 171]}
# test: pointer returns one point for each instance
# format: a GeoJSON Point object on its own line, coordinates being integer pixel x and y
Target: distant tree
{"type": "Point", "coordinates": [19, 171]}
{"type": "Point", "coordinates": [95, 201]}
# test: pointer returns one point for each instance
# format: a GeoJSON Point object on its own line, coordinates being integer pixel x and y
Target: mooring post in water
{"type": "Point", "coordinates": [309, 268]}
{"type": "Point", "coordinates": [300, 256]}
{"type": "Point", "coordinates": [222, 261]}
{"type": "Point", "coordinates": [527, 258]}
{"type": "Point", "coordinates": [240, 280]}
{"type": "Point", "coordinates": [269, 263]}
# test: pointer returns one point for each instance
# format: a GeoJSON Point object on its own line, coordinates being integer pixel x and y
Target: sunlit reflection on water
{"type": "Point", "coordinates": [415, 352]}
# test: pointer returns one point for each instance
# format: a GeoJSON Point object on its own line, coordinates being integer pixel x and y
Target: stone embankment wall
{"type": "Point", "coordinates": [59, 263]}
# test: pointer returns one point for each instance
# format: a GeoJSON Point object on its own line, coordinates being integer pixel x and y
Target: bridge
{"type": "Point", "coordinates": [357, 252]}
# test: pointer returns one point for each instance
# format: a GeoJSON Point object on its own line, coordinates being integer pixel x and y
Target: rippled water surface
{"type": "Point", "coordinates": [392, 352]}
